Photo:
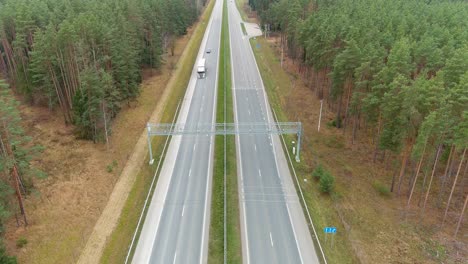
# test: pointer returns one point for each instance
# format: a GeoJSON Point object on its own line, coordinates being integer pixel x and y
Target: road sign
{"type": "Point", "coordinates": [330, 230]}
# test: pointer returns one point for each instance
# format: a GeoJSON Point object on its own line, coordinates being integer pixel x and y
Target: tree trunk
{"type": "Point", "coordinates": [430, 181]}
{"type": "Point", "coordinates": [14, 172]}
{"type": "Point", "coordinates": [377, 137]}
{"type": "Point", "coordinates": [338, 113]}
{"type": "Point", "coordinates": [395, 172]}
{"type": "Point", "coordinates": [460, 219]}
{"type": "Point", "coordinates": [12, 69]}
{"type": "Point", "coordinates": [18, 193]}
{"type": "Point", "coordinates": [355, 124]}
{"type": "Point", "coordinates": [105, 125]}
{"type": "Point", "coordinates": [453, 186]}
{"type": "Point", "coordinates": [416, 176]}
{"type": "Point", "coordinates": [404, 162]}
{"type": "Point", "coordinates": [444, 179]}
{"type": "Point", "coordinates": [349, 85]}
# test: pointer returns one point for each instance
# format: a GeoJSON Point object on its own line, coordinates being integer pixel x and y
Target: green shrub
{"type": "Point", "coordinates": [334, 141]}
{"type": "Point", "coordinates": [381, 189]}
{"type": "Point", "coordinates": [318, 172]}
{"type": "Point", "coordinates": [331, 123]}
{"type": "Point", "coordinates": [111, 166]}
{"type": "Point", "coordinates": [21, 242]}
{"type": "Point", "coordinates": [327, 181]}
{"type": "Point", "coordinates": [4, 258]}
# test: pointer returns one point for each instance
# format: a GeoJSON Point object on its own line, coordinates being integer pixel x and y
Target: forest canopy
{"type": "Point", "coordinates": [85, 57]}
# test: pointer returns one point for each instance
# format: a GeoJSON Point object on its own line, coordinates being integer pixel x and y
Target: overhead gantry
{"type": "Point", "coordinates": [174, 129]}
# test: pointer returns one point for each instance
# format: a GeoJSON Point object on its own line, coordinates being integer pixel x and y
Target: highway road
{"type": "Point", "coordinates": [176, 228]}
{"type": "Point", "coordinates": [273, 225]}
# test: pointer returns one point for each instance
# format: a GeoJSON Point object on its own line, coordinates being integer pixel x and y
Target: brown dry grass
{"type": "Point", "coordinates": [64, 207]}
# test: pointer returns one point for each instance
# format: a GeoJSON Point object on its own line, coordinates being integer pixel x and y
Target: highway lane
{"type": "Point", "coordinates": [176, 227]}
{"type": "Point", "coordinates": [273, 226]}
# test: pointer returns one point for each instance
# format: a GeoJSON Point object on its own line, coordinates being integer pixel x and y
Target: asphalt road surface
{"type": "Point", "coordinates": [273, 225]}
{"type": "Point", "coordinates": [176, 228]}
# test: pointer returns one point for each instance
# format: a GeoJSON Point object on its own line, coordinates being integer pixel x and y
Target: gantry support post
{"type": "Point", "coordinates": [150, 148]}
{"type": "Point", "coordinates": [299, 135]}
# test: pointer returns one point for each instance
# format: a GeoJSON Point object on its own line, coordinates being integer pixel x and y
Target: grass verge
{"type": "Point", "coordinates": [119, 242]}
{"type": "Point", "coordinates": [241, 5]}
{"type": "Point", "coordinates": [225, 170]}
{"type": "Point", "coordinates": [324, 212]}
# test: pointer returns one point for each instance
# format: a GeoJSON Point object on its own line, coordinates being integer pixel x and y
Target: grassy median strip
{"type": "Point", "coordinates": [225, 150]}
{"type": "Point", "coordinates": [119, 242]}
{"type": "Point", "coordinates": [323, 212]}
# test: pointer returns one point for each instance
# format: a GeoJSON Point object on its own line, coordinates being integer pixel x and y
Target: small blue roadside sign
{"type": "Point", "coordinates": [330, 230]}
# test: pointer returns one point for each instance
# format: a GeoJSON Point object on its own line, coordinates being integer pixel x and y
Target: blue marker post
{"type": "Point", "coordinates": [330, 230]}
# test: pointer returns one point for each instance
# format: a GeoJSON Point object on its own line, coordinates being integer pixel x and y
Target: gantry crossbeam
{"type": "Point", "coordinates": [175, 129]}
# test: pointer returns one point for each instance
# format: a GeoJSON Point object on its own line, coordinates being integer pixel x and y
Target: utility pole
{"type": "Point", "coordinates": [282, 47]}
{"type": "Point", "coordinates": [320, 115]}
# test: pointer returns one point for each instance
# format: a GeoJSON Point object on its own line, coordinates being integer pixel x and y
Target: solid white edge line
{"type": "Point", "coordinates": [303, 200]}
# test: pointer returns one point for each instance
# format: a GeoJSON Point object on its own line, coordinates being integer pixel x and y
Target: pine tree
{"type": "Point", "coordinates": [15, 155]}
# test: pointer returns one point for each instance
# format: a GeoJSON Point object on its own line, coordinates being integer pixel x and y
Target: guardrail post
{"type": "Point", "coordinates": [150, 148]}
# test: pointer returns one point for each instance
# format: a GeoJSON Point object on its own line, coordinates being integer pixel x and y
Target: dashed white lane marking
{"type": "Point", "coordinates": [255, 146]}
{"type": "Point", "coordinates": [249, 111]}
{"type": "Point", "coordinates": [175, 257]}
{"type": "Point", "coordinates": [183, 210]}
{"type": "Point", "coordinates": [190, 172]}
{"type": "Point", "coordinates": [194, 146]}
{"type": "Point", "coordinates": [259, 173]}
{"type": "Point", "coordinates": [271, 240]}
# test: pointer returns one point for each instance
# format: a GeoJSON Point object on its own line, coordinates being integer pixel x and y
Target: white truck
{"type": "Point", "coordinates": [201, 69]}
